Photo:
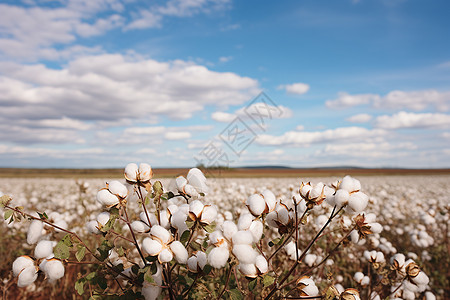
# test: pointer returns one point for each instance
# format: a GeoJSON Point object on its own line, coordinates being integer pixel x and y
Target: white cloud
{"type": "Point", "coordinates": [303, 138]}
{"type": "Point", "coordinates": [258, 110]}
{"type": "Point", "coordinates": [366, 150]}
{"type": "Point", "coordinates": [360, 118]}
{"type": "Point", "coordinates": [300, 128]}
{"type": "Point", "coordinates": [224, 59]}
{"type": "Point", "coordinates": [413, 120]}
{"type": "Point", "coordinates": [295, 88]}
{"type": "Point", "coordinates": [415, 100]}
{"type": "Point", "coordinates": [180, 135]}
{"type": "Point", "coordinates": [116, 87]}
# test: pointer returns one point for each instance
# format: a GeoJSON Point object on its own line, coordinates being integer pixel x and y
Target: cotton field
{"type": "Point", "coordinates": [190, 237]}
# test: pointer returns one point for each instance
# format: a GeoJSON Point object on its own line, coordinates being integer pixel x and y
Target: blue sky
{"type": "Point", "coordinates": [102, 83]}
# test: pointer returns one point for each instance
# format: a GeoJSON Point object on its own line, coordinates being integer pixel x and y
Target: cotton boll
{"type": "Point", "coordinates": [180, 252]}
{"type": "Point", "coordinates": [242, 237]}
{"type": "Point", "coordinates": [164, 217]}
{"type": "Point", "coordinates": [54, 269]}
{"type": "Point", "coordinates": [365, 281]}
{"type": "Point", "coordinates": [43, 249]}
{"type": "Point", "coordinates": [197, 179]}
{"type": "Point", "coordinates": [165, 256]}
{"type": "Point", "coordinates": [192, 264]}
{"type": "Point", "coordinates": [321, 220]}
{"type": "Point", "coordinates": [256, 228]}
{"type": "Point", "coordinates": [282, 214]}
{"type": "Point", "coordinates": [152, 247]}
{"type": "Point", "coordinates": [150, 291]}
{"type": "Point", "coordinates": [354, 236]}
{"type": "Point", "coordinates": [429, 296]}
{"type": "Point", "coordinates": [261, 264]}
{"type": "Point", "coordinates": [151, 220]}
{"type": "Point", "coordinates": [244, 222]}
{"type": "Point", "coordinates": [245, 254]}
{"type": "Point", "coordinates": [270, 199]}
{"type": "Point", "coordinates": [180, 183]}
{"type": "Point", "coordinates": [131, 172]}
{"type": "Point", "coordinates": [62, 224]}
{"type": "Point", "coordinates": [307, 286]}
{"type": "Point", "coordinates": [145, 172]}
{"type": "Point", "coordinates": [91, 227]}
{"type": "Point", "coordinates": [201, 259]}
{"type": "Point", "coordinates": [408, 295]}
{"type": "Point", "coordinates": [218, 257]}
{"type": "Point", "coordinates": [196, 208]}
{"type": "Point", "coordinates": [256, 204]}
{"type": "Point", "coordinates": [421, 279]}
{"type": "Point", "coordinates": [341, 197]}
{"type": "Point", "coordinates": [178, 221]}
{"type": "Point", "coordinates": [27, 276]}
{"type": "Point", "coordinates": [34, 231]}
{"type": "Point", "coordinates": [104, 197]}
{"type": "Point", "coordinates": [271, 218]}
{"type": "Point", "coordinates": [248, 270]}
{"type": "Point", "coordinates": [310, 259]}
{"type": "Point", "coordinates": [376, 227]}
{"type": "Point", "coordinates": [209, 214]}
{"type": "Point", "coordinates": [305, 190]}
{"type": "Point", "coordinates": [190, 190]}
{"type": "Point", "coordinates": [117, 188]}
{"type": "Point", "coordinates": [139, 226]}
{"type": "Point", "coordinates": [229, 229]}
{"type": "Point", "coordinates": [21, 263]}
{"type": "Point", "coordinates": [103, 218]}
{"type": "Point", "coordinates": [358, 201]}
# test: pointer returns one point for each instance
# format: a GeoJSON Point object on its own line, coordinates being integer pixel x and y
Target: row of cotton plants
{"type": "Point", "coordinates": [196, 238]}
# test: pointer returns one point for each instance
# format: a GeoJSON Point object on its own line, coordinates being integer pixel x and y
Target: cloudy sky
{"type": "Point", "coordinates": [101, 83]}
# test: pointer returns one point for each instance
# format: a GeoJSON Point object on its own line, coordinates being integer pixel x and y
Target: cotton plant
{"type": "Point", "coordinates": [176, 243]}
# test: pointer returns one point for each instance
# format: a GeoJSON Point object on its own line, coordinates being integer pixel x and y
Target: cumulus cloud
{"type": "Point", "coordinates": [360, 118]}
{"type": "Point", "coordinates": [304, 138]}
{"type": "Point", "coordinates": [224, 59]}
{"type": "Point", "coordinates": [115, 87]}
{"type": "Point", "coordinates": [366, 150]}
{"type": "Point", "coordinates": [414, 100]}
{"type": "Point", "coordinates": [180, 135]}
{"type": "Point", "coordinates": [295, 88]}
{"type": "Point", "coordinates": [413, 120]}
{"type": "Point", "coordinates": [259, 110]}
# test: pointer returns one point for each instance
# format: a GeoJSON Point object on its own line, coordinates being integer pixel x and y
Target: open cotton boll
{"type": "Point", "coordinates": [270, 199]}
{"type": "Point", "coordinates": [117, 188]}
{"type": "Point", "coordinates": [261, 264]}
{"type": "Point", "coordinates": [256, 228]}
{"type": "Point", "coordinates": [256, 204]}
{"type": "Point", "coordinates": [201, 259]}
{"type": "Point", "coordinates": [421, 279]}
{"type": "Point", "coordinates": [161, 233]}
{"type": "Point", "coordinates": [244, 221]}
{"type": "Point", "coordinates": [145, 172]}
{"type": "Point", "coordinates": [152, 247]}
{"type": "Point", "coordinates": [151, 220]}
{"type": "Point", "coordinates": [429, 296]}
{"type": "Point", "coordinates": [27, 276]}
{"type": "Point", "coordinates": [91, 227]}
{"type": "Point", "coordinates": [245, 254]}
{"type": "Point", "coordinates": [358, 201]}
{"type": "Point", "coordinates": [180, 183]}
{"type": "Point", "coordinates": [139, 226]}
{"type": "Point", "coordinates": [165, 256]}
{"type": "Point", "coordinates": [21, 263]}
{"type": "Point", "coordinates": [341, 197]}
{"type": "Point", "coordinates": [248, 270]}
{"type": "Point", "coordinates": [358, 277]}
{"type": "Point", "coordinates": [316, 191]}
{"type": "Point", "coordinates": [218, 257]}
{"type": "Point", "coordinates": [164, 217]}
{"type": "Point", "coordinates": [34, 231]}
{"type": "Point", "coordinates": [104, 197]}
{"type": "Point", "coordinates": [307, 286]}
{"type": "Point", "coordinates": [190, 190]}
{"type": "Point", "coordinates": [103, 218]}
{"type": "Point", "coordinates": [196, 208]}
{"type": "Point", "coordinates": [178, 221]}
{"type": "Point", "coordinates": [131, 172]}
{"type": "Point", "coordinates": [180, 252]}
{"type": "Point", "coordinates": [376, 227]}
{"type": "Point", "coordinates": [229, 229]}
{"type": "Point", "coordinates": [242, 237]}
{"type": "Point", "coordinates": [305, 189]}
{"type": "Point", "coordinates": [150, 291]}
{"type": "Point", "coordinates": [271, 218]}
{"type": "Point", "coordinates": [54, 269]}
{"type": "Point", "coordinates": [310, 259]}
{"type": "Point", "coordinates": [192, 264]}
{"type": "Point", "coordinates": [209, 214]}
{"type": "Point", "coordinates": [44, 249]}
{"type": "Point", "coordinates": [282, 214]}
{"type": "Point", "coordinates": [197, 179]}
{"type": "Point", "coordinates": [350, 184]}
{"type": "Point", "coordinates": [62, 224]}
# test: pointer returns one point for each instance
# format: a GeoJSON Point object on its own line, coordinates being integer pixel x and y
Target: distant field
{"type": "Point", "coordinates": [238, 172]}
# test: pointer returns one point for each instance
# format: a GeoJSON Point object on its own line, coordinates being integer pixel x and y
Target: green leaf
{"type": "Point", "coordinates": [109, 224]}
{"type": "Point", "coordinates": [235, 294]}
{"type": "Point", "coordinates": [210, 228]}
{"type": "Point", "coordinates": [153, 268]}
{"type": "Point", "coordinates": [268, 280]}
{"type": "Point", "coordinates": [189, 224]}
{"type": "Point", "coordinates": [43, 216]}
{"type": "Point", "coordinates": [196, 246]}
{"type": "Point", "coordinates": [91, 276]}
{"type": "Point", "coordinates": [185, 237]}
{"type": "Point", "coordinates": [114, 211]}
{"type": "Point", "coordinates": [8, 214]}
{"type": "Point", "coordinates": [104, 248]}
{"type": "Point", "coordinates": [170, 195]}
{"type": "Point", "coordinates": [207, 269]}
{"type": "Point", "coordinates": [67, 240]}
{"type": "Point", "coordinates": [252, 284]}
{"type": "Point", "coordinates": [120, 251]}
{"type": "Point", "coordinates": [148, 276]}
{"type": "Point", "coordinates": [79, 286]}
{"type": "Point", "coordinates": [80, 253]}
{"type": "Point", "coordinates": [61, 250]}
